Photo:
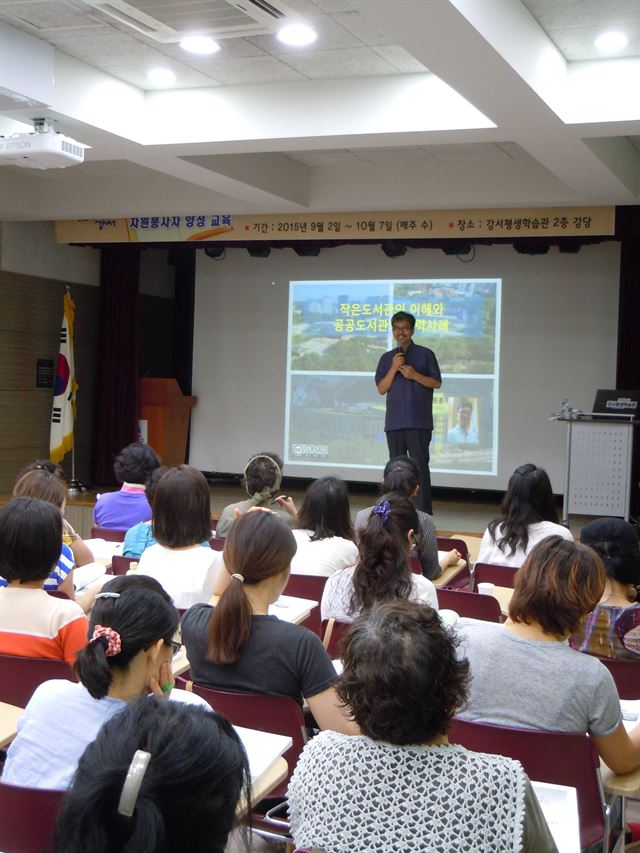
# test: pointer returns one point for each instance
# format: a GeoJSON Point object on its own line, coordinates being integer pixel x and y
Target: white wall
{"type": "Point", "coordinates": [30, 248]}
{"type": "Point", "coordinates": [559, 332]}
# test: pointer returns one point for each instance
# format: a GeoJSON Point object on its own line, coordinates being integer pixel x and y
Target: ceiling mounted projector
{"type": "Point", "coordinates": [42, 149]}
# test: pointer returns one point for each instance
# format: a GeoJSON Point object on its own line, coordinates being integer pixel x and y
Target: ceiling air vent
{"type": "Point", "coordinates": [166, 21]}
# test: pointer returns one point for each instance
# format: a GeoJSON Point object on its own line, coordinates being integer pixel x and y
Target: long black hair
{"type": "Point", "coordinates": [382, 572]}
{"type": "Point", "coordinates": [529, 499]}
{"type": "Point", "coordinates": [141, 612]}
{"type": "Point", "coordinates": [196, 774]}
{"type": "Point", "coordinates": [325, 509]}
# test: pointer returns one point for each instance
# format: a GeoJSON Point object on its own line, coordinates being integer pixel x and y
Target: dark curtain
{"type": "Point", "coordinates": [628, 366]}
{"type": "Point", "coordinates": [116, 421]}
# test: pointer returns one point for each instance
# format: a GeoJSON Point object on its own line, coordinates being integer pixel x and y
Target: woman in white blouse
{"type": "Point", "coordinates": [382, 572]}
{"type": "Point", "coordinates": [529, 514]}
{"type": "Point", "coordinates": [322, 529]}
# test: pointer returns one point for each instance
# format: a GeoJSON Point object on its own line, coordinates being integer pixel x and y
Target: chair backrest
{"type": "Point", "coordinates": [332, 634]}
{"type": "Point", "coordinates": [121, 565]}
{"type": "Point", "coordinates": [562, 758]}
{"type": "Point", "coordinates": [280, 715]}
{"type": "Point", "coordinates": [493, 573]}
{"type": "Point", "coordinates": [107, 534]}
{"type": "Point", "coordinates": [217, 543]}
{"type": "Point", "coordinates": [414, 563]}
{"type": "Point", "coordinates": [446, 543]}
{"type": "Point", "coordinates": [470, 604]}
{"type": "Point", "coordinates": [311, 587]}
{"type": "Point", "coordinates": [626, 674]}
{"type": "Point", "coordinates": [28, 818]}
{"type": "Point", "coordinates": [19, 677]}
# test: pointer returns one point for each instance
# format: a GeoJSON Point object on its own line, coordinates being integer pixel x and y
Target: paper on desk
{"type": "Point", "coordinates": [84, 575]}
{"type": "Point", "coordinates": [102, 549]}
{"type": "Point", "coordinates": [559, 804]}
{"type": "Point", "coordinates": [262, 748]}
{"type": "Point", "coordinates": [630, 709]}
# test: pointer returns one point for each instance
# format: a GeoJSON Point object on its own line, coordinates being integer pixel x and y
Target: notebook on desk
{"type": "Point", "coordinates": [262, 748]}
{"type": "Point", "coordinates": [559, 804]}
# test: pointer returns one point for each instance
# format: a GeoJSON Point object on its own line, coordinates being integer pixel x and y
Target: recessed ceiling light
{"type": "Point", "coordinates": [161, 76]}
{"type": "Point", "coordinates": [611, 42]}
{"type": "Point", "coordinates": [204, 45]}
{"type": "Point", "coordinates": [297, 35]}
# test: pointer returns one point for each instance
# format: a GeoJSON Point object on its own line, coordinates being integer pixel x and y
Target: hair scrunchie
{"type": "Point", "coordinates": [114, 643]}
{"type": "Point", "coordinates": [383, 509]}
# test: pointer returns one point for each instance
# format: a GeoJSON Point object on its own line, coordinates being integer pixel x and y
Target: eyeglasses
{"type": "Point", "coordinates": [175, 646]}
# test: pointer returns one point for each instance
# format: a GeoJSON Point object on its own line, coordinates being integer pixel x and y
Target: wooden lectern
{"type": "Point", "coordinates": [167, 411]}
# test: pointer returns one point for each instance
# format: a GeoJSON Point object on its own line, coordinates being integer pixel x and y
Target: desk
{"type": "Point", "coordinates": [266, 765]}
{"type": "Point", "coordinates": [449, 573]}
{"type": "Point", "coordinates": [503, 594]}
{"type": "Point", "coordinates": [9, 716]}
{"type": "Point", "coordinates": [262, 786]}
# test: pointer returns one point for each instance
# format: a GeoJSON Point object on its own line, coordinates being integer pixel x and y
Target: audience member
{"type": "Point", "coordinates": [401, 785]}
{"type": "Point", "coordinates": [611, 629]}
{"type": "Point", "coordinates": [33, 623]}
{"type": "Point", "coordinates": [262, 477]}
{"type": "Point", "coordinates": [402, 475]}
{"type": "Point", "coordinates": [182, 561]}
{"type": "Point", "coordinates": [529, 514]}
{"type": "Point", "coordinates": [128, 655]}
{"type": "Point", "coordinates": [140, 537]}
{"type": "Point", "coordinates": [382, 572]}
{"type": "Point", "coordinates": [121, 510]}
{"type": "Point", "coordinates": [161, 777]}
{"type": "Point", "coordinates": [323, 530]}
{"type": "Point", "coordinates": [238, 646]}
{"type": "Point", "coordinates": [523, 673]}
{"type": "Point", "coordinates": [81, 552]}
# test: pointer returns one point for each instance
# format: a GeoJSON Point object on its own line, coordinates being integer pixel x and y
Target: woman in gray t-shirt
{"type": "Point", "coordinates": [523, 673]}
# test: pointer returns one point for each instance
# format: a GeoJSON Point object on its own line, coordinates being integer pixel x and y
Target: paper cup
{"type": "Point", "coordinates": [486, 588]}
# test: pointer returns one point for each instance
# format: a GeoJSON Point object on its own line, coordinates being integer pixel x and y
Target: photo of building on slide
{"type": "Point", "coordinates": [337, 332]}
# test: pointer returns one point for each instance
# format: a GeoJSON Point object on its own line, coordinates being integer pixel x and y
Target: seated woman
{"type": "Point", "coordinates": [523, 673]}
{"type": "Point", "coordinates": [402, 475]}
{"type": "Point", "coordinates": [194, 770]}
{"type": "Point", "coordinates": [262, 477]}
{"type": "Point", "coordinates": [33, 623]}
{"type": "Point", "coordinates": [80, 551]}
{"type": "Point", "coordinates": [382, 572]}
{"type": "Point", "coordinates": [401, 785]}
{"type": "Point", "coordinates": [529, 514]}
{"type": "Point", "coordinates": [128, 655]}
{"type": "Point", "coordinates": [238, 646]}
{"type": "Point", "coordinates": [611, 629]}
{"type": "Point", "coordinates": [45, 486]}
{"type": "Point", "coordinates": [140, 537]}
{"type": "Point", "coordinates": [182, 561]}
{"type": "Point", "coordinates": [121, 510]}
{"type": "Point", "coordinates": [323, 530]}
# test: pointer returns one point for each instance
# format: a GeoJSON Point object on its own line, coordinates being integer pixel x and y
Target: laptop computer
{"type": "Point", "coordinates": [614, 403]}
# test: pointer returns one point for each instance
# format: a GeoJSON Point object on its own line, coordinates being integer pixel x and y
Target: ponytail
{"type": "Point", "coordinates": [196, 772]}
{"type": "Point", "coordinates": [130, 614]}
{"type": "Point", "coordinates": [259, 546]}
{"type": "Point", "coordinates": [382, 572]}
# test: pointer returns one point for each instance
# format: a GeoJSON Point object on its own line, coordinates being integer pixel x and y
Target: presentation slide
{"type": "Point", "coordinates": [337, 331]}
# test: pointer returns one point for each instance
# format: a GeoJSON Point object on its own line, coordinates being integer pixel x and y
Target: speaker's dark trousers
{"type": "Point", "coordinates": [414, 442]}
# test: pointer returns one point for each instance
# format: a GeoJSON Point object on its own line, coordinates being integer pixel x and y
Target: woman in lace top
{"type": "Point", "coordinates": [401, 785]}
{"type": "Point", "coordinates": [382, 572]}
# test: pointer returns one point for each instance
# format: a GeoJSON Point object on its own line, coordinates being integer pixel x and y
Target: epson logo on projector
{"type": "Point", "coordinates": [310, 450]}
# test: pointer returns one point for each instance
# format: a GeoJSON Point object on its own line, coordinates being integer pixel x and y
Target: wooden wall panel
{"type": "Point", "coordinates": [29, 329]}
